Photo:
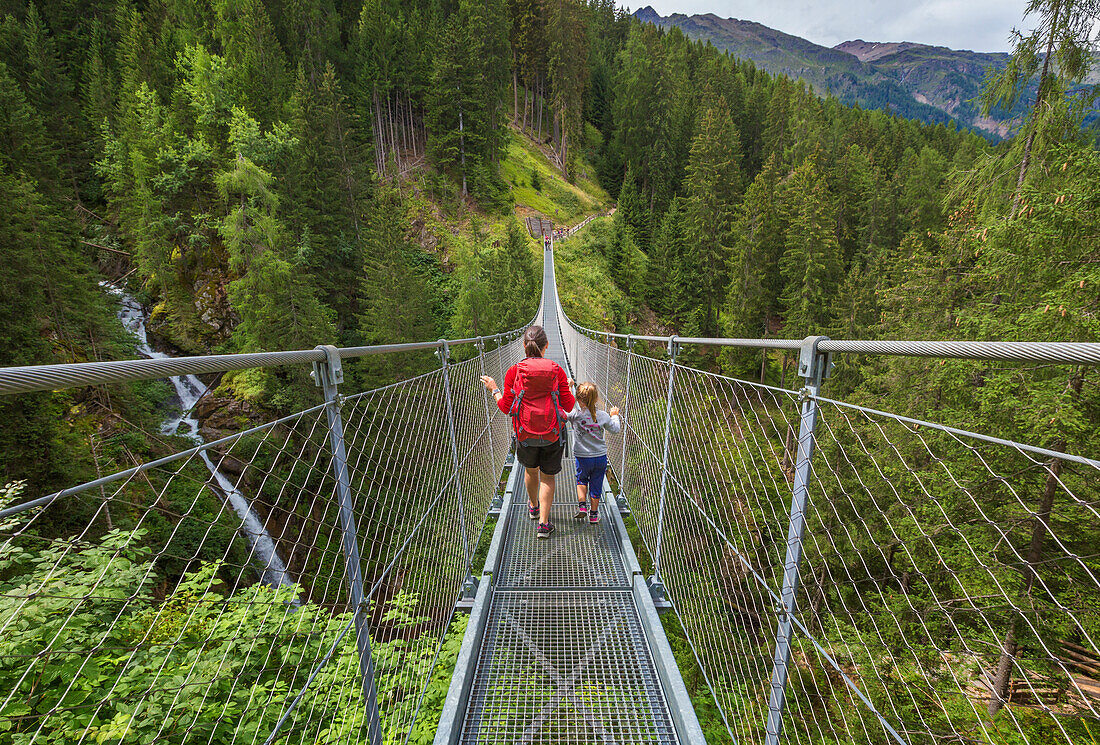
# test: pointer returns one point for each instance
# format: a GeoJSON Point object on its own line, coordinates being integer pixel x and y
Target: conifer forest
{"type": "Point", "coordinates": [274, 175]}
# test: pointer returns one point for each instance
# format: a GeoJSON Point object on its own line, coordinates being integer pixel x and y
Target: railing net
{"type": "Point", "coordinates": [143, 607]}
{"type": "Point", "coordinates": [926, 551]}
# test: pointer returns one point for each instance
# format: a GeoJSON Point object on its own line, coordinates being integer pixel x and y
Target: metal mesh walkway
{"type": "Point", "coordinates": [564, 657]}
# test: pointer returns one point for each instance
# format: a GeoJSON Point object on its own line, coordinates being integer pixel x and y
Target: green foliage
{"type": "Point", "coordinates": [498, 285]}
{"type": "Point", "coordinates": [712, 189]}
{"type": "Point", "coordinates": [535, 185]}
{"type": "Point", "coordinates": [83, 618]}
{"type": "Point", "coordinates": [587, 293]}
{"type": "Point", "coordinates": [811, 262]}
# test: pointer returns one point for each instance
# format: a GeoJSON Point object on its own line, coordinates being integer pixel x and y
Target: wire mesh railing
{"type": "Point", "coordinates": [293, 582]}
{"type": "Point", "coordinates": [845, 574]}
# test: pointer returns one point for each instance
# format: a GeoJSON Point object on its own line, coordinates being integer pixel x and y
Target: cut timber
{"type": "Point", "coordinates": [1087, 687]}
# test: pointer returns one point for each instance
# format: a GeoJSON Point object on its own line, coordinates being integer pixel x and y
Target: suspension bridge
{"type": "Point", "coordinates": [784, 566]}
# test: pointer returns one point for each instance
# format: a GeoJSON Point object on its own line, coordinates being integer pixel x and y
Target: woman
{"type": "Point", "coordinates": [537, 396]}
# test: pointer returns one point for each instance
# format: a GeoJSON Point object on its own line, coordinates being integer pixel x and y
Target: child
{"type": "Point", "coordinates": [590, 448]}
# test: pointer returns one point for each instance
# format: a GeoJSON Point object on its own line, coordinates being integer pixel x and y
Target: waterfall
{"type": "Point", "coordinates": [189, 390]}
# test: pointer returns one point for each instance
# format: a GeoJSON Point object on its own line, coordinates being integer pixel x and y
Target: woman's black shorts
{"type": "Point", "coordinates": [546, 458]}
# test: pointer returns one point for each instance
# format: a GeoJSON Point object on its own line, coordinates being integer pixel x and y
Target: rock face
{"type": "Point", "coordinates": [221, 416]}
{"type": "Point", "coordinates": [869, 51]}
{"type": "Point", "coordinates": [212, 307]}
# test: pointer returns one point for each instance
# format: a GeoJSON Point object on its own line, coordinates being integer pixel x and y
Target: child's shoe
{"type": "Point", "coordinates": [544, 530]}
{"type": "Point", "coordinates": [593, 516]}
{"type": "Point", "coordinates": [582, 510]}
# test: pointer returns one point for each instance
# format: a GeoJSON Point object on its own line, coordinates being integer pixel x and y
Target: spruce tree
{"type": "Point", "coordinates": [712, 189]}
{"type": "Point", "coordinates": [327, 189]}
{"type": "Point", "coordinates": [256, 59]}
{"type": "Point", "coordinates": [275, 299]}
{"type": "Point", "coordinates": [811, 264]}
{"type": "Point", "coordinates": [759, 237]}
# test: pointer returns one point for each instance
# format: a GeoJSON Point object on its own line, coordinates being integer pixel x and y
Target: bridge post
{"type": "Point", "coordinates": [327, 375]}
{"type": "Point", "coordinates": [621, 473]}
{"type": "Point", "coordinates": [814, 367]}
{"type": "Point", "coordinates": [655, 581]}
{"type": "Point", "coordinates": [444, 353]}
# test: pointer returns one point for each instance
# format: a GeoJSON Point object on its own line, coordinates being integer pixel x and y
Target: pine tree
{"type": "Point", "coordinates": [568, 71]}
{"type": "Point", "coordinates": [811, 264]}
{"type": "Point", "coordinates": [633, 210]}
{"type": "Point", "coordinates": [276, 301]}
{"type": "Point", "coordinates": [327, 189]}
{"type": "Point", "coordinates": [712, 189]}
{"type": "Point", "coordinates": [663, 292]}
{"type": "Point", "coordinates": [758, 244]}
{"type": "Point", "coordinates": [255, 57]}
{"type": "Point", "coordinates": [1061, 42]}
{"type": "Point", "coordinates": [455, 131]}
{"type": "Point", "coordinates": [396, 272]}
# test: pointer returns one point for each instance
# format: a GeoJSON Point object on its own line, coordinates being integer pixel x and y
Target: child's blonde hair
{"type": "Point", "coordinates": [588, 396]}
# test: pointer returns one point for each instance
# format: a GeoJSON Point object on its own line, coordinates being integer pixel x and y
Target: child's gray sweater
{"type": "Point", "coordinates": [588, 439]}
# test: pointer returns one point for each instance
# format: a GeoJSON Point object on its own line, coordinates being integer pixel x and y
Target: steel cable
{"type": "Point", "coordinates": [892, 568]}
{"type": "Point", "coordinates": [214, 654]}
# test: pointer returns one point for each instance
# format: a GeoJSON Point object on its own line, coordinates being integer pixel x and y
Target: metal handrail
{"type": "Point", "coordinates": [56, 377]}
{"type": "Point", "coordinates": [1069, 353]}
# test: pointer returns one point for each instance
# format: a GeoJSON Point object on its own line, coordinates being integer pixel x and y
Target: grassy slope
{"type": "Point", "coordinates": [454, 230]}
{"type": "Point", "coordinates": [588, 296]}
{"type": "Point", "coordinates": [561, 201]}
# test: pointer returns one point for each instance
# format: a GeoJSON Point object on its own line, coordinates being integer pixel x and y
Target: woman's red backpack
{"type": "Point", "coordinates": [537, 417]}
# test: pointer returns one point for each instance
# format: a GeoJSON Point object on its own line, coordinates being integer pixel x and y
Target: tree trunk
{"type": "Point", "coordinates": [402, 125]}
{"type": "Point", "coordinates": [538, 95]}
{"type": "Point", "coordinates": [818, 599]}
{"type": "Point", "coordinates": [526, 106]}
{"type": "Point", "coordinates": [515, 91]}
{"type": "Point", "coordinates": [789, 456]}
{"type": "Point", "coordinates": [102, 491]}
{"type": "Point", "coordinates": [1004, 671]}
{"type": "Point", "coordinates": [763, 364]}
{"type": "Point", "coordinates": [1026, 161]}
{"type": "Point", "coordinates": [379, 144]}
{"type": "Point", "coordinates": [564, 155]}
{"type": "Point", "coordinates": [462, 150]}
{"type": "Point", "coordinates": [1039, 527]}
{"type": "Point", "coordinates": [393, 134]}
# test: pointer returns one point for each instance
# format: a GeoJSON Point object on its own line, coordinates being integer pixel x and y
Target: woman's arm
{"type": "Point", "coordinates": [566, 400]}
{"type": "Point", "coordinates": [503, 398]}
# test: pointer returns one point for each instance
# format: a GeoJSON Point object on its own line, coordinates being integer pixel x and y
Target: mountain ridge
{"type": "Point", "coordinates": [936, 85]}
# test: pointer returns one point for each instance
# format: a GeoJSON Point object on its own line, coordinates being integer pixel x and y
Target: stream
{"type": "Point", "coordinates": [189, 390]}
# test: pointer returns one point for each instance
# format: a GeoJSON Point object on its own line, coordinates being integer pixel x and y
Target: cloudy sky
{"type": "Point", "coordinates": [980, 25]}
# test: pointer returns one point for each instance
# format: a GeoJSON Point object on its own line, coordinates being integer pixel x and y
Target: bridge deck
{"type": "Point", "coordinates": [566, 654]}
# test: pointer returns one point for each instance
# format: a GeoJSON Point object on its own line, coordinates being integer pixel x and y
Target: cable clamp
{"type": "Point", "coordinates": [813, 365]}
{"type": "Point", "coordinates": [331, 371]}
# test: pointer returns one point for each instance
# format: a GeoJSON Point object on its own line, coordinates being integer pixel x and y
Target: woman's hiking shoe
{"type": "Point", "coordinates": [544, 530]}
{"type": "Point", "coordinates": [582, 510]}
{"type": "Point", "coordinates": [593, 516]}
{"type": "Point", "coordinates": [532, 512]}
